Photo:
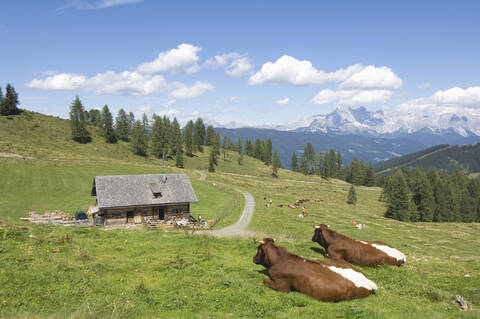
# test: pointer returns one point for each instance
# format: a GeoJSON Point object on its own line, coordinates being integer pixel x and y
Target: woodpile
{"type": "Point", "coordinates": [49, 217]}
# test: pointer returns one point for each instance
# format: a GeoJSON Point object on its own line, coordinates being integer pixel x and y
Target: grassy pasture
{"type": "Point", "coordinates": [137, 273]}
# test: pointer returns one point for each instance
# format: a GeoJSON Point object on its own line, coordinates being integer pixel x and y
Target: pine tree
{"type": "Point", "coordinates": [399, 201]}
{"type": "Point", "coordinates": [370, 175]}
{"type": "Point", "coordinates": [77, 122]}
{"type": "Point", "coordinates": [294, 162]}
{"type": "Point", "coordinates": [1, 97]}
{"type": "Point", "coordinates": [199, 135]}
{"type": "Point", "coordinates": [211, 161]}
{"type": "Point", "coordinates": [423, 196]}
{"type": "Point", "coordinates": [225, 147]}
{"type": "Point", "coordinates": [188, 138]}
{"type": "Point", "coordinates": [179, 156]}
{"type": "Point", "coordinates": [319, 164]}
{"type": "Point", "coordinates": [352, 196]}
{"type": "Point", "coordinates": [139, 139]}
{"type": "Point", "coordinates": [276, 164]}
{"type": "Point", "coordinates": [145, 123]}
{"type": "Point", "coordinates": [122, 126]}
{"type": "Point", "coordinates": [217, 144]}
{"type": "Point", "coordinates": [131, 122]}
{"type": "Point", "coordinates": [210, 139]}
{"type": "Point", "coordinates": [267, 157]}
{"type": "Point", "coordinates": [240, 159]}
{"type": "Point", "coordinates": [107, 126]}
{"type": "Point", "coordinates": [439, 192]}
{"type": "Point", "coordinates": [10, 102]}
{"type": "Point", "coordinates": [339, 165]}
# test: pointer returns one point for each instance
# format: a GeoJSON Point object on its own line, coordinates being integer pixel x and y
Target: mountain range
{"type": "Point", "coordinates": [371, 135]}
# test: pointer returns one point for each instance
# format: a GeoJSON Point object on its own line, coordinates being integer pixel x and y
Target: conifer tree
{"type": "Point", "coordinates": [370, 175]}
{"type": "Point", "coordinates": [217, 144]}
{"type": "Point", "coordinates": [95, 117]}
{"type": "Point", "coordinates": [239, 146]}
{"type": "Point", "coordinates": [139, 139]}
{"type": "Point", "coordinates": [176, 136]}
{"type": "Point", "coordinates": [1, 97]}
{"type": "Point", "coordinates": [307, 165]}
{"type": "Point", "coordinates": [157, 138]}
{"type": "Point", "coordinates": [319, 164]}
{"type": "Point", "coordinates": [179, 156]}
{"type": "Point", "coordinates": [188, 138]}
{"type": "Point", "coordinates": [122, 126]}
{"type": "Point", "coordinates": [145, 123]}
{"type": "Point", "coordinates": [77, 122]}
{"type": "Point", "coordinates": [107, 126]}
{"type": "Point", "coordinates": [352, 196]}
{"type": "Point", "coordinates": [240, 159]}
{"type": "Point", "coordinates": [199, 135]}
{"type": "Point", "coordinates": [168, 137]}
{"type": "Point", "coordinates": [339, 165]}
{"type": "Point", "coordinates": [249, 148]}
{"type": "Point", "coordinates": [276, 164]}
{"type": "Point", "coordinates": [399, 201]}
{"type": "Point", "coordinates": [10, 102]}
{"type": "Point", "coordinates": [211, 161]}
{"type": "Point", "coordinates": [423, 196]}
{"type": "Point", "coordinates": [225, 147]}
{"type": "Point", "coordinates": [439, 192]}
{"type": "Point", "coordinates": [267, 158]}
{"type": "Point", "coordinates": [131, 121]}
{"type": "Point", "coordinates": [210, 139]}
{"type": "Point", "coordinates": [294, 162]}
{"type": "Point", "coordinates": [257, 149]}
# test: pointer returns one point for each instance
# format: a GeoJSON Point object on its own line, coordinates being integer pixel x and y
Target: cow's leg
{"type": "Point", "coordinates": [281, 285]}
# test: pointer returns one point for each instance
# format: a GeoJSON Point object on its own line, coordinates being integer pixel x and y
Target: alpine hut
{"type": "Point", "coordinates": [124, 199]}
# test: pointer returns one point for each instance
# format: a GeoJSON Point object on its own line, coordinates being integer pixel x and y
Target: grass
{"type": "Point", "coordinates": [78, 272]}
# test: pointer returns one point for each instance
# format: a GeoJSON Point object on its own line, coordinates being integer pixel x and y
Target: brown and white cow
{"type": "Point", "coordinates": [357, 252]}
{"type": "Point", "coordinates": [322, 280]}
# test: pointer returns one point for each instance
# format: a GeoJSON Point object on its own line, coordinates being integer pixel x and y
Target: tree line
{"type": "Point", "coordinates": [432, 196]}
{"type": "Point", "coordinates": [9, 102]}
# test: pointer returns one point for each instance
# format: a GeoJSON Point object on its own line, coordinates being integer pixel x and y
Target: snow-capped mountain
{"type": "Point", "coordinates": [380, 123]}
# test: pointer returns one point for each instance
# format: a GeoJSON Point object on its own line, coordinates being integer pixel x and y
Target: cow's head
{"type": "Point", "coordinates": [318, 235]}
{"type": "Point", "coordinates": [261, 257]}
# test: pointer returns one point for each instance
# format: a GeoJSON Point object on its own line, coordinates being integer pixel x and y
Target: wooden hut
{"type": "Point", "coordinates": [125, 199]}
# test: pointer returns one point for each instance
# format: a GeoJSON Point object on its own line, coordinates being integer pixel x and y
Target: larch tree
{"type": "Point", "coordinates": [239, 145]}
{"type": "Point", "coordinates": [107, 126]}
{"type": "Point", "coordinates": [370, 175]}
{"type": "Point", "coordinates": [267, 158]}
{"type": "Point", "coordinates": [157, 138]}
{"type": "Point", "coordinates": [352, 196]}
{"type": "Point", "coordinates": [276, 164]}
{"type": "Point", "coordinates": [122, 125]}
{"type": "Point", "coordinates": [307, 165]}
{"type": "Point", "coordinates": [139, 139]}
{"type": "Point", "coordinates": [294, 162]}
{"type": "Point", "coordinates": [188, 138]}
{"type": "Point", "coordinates": [77, 122]}
{"type": "Point", "coordinates": [211, 161]}
{"type": "Point", "coordinates": [199, 135]}
{"type": "Point", "coordinates": [9, 105]}
{"type": "Point", "coordinates": [399, 201]}
{"type": "Point", "coordinates": [179, 156]}
{"type": "Point", "coordinates": [422, 195]}
{"type": "Point", "coordinates": [210, 138]}
{"type": "Point", "coordinates": [95, 117]}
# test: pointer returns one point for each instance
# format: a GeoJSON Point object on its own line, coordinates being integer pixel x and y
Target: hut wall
{"type": "Point", "coordinates": [177, 211]}
{"type": "Point", "coordinates": [115, 216]}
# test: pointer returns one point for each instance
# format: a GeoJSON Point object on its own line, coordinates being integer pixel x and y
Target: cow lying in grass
{"type": "Point", "coordinates": [322, 280]}
{"type": "Point", "coordinates": [357, 252]}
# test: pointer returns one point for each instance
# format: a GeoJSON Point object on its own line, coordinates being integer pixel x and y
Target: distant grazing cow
{"type": "Point", "coordinates": [322, 280]}
{"type": "Point", "coordinates": [358, 252]}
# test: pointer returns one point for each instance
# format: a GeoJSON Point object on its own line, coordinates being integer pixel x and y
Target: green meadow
{"type": "Point", "coordinates": [57, 272]}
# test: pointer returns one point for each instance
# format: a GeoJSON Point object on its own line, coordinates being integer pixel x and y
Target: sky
{"type": "Point", "coordinates": [252, 62]}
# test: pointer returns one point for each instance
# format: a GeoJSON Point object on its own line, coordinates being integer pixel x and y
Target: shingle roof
{"type": "Point", "coordinates": [138, 190]}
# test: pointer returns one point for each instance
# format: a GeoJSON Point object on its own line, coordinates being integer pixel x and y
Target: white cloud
{"type": "Point", "coordinates": [89, 5]}
{"type": "Point", "coordinates": [290, 70]}
{"type": "Point", "coordinates": [50, 72]}
{"type": "Point", "coordinates": [458, 97]}
{"type": "Point", "coordinates": [232, 99]}
{"type": "Point", "coordinates": [185, 92]}
{"type": "Point", "coordinates": [145, 108]}
{"type": "Point", "coordinates": [236, 64]}
{"type": "Point", "coordinates": [126, 82]}
{"type": "Point", "coordinates": [350, 97]}
{"type": "Point", "coordinates": [168, 113]}
{"type": "Point", "coordinates": [372, 77]}
{"type": "Point", "coordinates": [424, 86]}
{"type": "Point", "coordinates": [283, 101]}
{"type": "Point", "coordinates": [169, 103]}
{"type": "Point", "coordinates": [182, 58]}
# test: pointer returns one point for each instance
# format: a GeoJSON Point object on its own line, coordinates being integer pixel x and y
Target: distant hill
{"type": "Point", "coordinates": [371, 149]}
{"type": "Point", "coordinates": [465, 157]}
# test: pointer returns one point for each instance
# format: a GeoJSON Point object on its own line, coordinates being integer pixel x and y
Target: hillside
{"type": "Point", "coordinates": [287, 142]}
{"type": "Point", "coordinates": [139, 273]}
{"type": "Point", "coordinates": [463, 157]}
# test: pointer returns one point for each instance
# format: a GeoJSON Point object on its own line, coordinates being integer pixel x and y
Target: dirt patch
{"type": "Point", "coordinates": [13, 155]}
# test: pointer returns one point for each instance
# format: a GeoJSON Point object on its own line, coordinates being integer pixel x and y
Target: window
{"type": "Point", "coordinates": [177, 211]}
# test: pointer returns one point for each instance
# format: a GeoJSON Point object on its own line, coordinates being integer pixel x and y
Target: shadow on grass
{"type": "Point", "coordinates": [263, 271]}
{"type": "Point", "coordinates": [319, 250]}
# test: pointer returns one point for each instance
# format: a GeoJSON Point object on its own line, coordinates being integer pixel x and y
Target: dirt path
{"type": "Point", "coordinates": [240, 228]}
{"type": "Point", "coordinates": [203, 176]}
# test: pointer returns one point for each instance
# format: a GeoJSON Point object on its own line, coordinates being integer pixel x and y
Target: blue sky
{"type": "Point", "coordinates": [254, 62]}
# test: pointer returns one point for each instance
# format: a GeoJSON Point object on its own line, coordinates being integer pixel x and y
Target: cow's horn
{"type": "Point", "coordinates": [261, 242]}
{"type": "Point", "coordinates": [317, 227]}
{"type": "Point", "coordinates": [274, 240]}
